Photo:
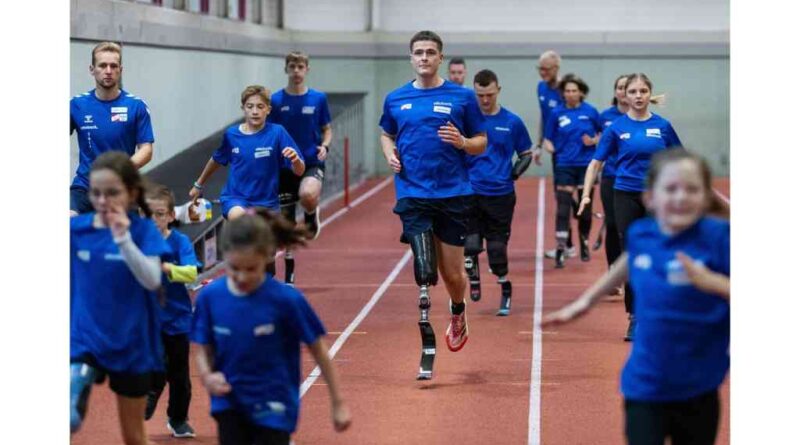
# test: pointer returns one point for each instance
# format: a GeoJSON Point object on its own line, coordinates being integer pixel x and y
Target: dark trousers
{"type": "Point", "coordinates": [613, 247]}
{"type": "Point", "coordinates": [234, 428]}
{"type": "Point", "coordinates": [176, 350]}
{"type": "Point", "coordinates": [691, 422]}
{"type": "Point", "coordinates": [628, 207]}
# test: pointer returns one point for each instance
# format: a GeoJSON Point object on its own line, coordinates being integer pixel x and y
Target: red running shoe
{"type": "Point", "coordinates": [457, 331]}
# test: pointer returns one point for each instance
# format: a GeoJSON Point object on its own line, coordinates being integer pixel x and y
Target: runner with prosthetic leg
{"type": "Point", "coordinates": [491, 176]}
{"type": "Point", "coordinates": [425, 275]}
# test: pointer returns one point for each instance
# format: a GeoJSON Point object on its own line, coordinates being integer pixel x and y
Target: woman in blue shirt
{"type": "Point", "coordinates": [115, 268]}
{"type": "Point", "coordinates": [250, 327]}
{"type": "Point", "coordinates": [571, 134]}
{"type": "Point", "coordinates": [678, 261]}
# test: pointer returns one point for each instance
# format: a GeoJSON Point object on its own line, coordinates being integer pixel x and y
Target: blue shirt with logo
{"type": "Point", "coordinates": [256, 340]}
{"type": "Point", "coordinates": [682, 333]}
{"type": "Point", "coordinates": [432, 168]}
{"type": "Point", "coordinates": [565, 129]}
{"type": "Point", "coordinates": [255, 162]}
{"type": "Point", "coordinates": [490, 171]}
{"type": "Point", "coordinates": [112, 317]}
{"type": "Point", "coordinates": [607, 117]}
{"type": "Point", "coordinates": [635, 142]}
{"type": "Point", "coordinates": [176, 314]}
{"type": "Point", "coordinates": [303, 116]}
{"type": "Point", "coordinates": [105, 125]}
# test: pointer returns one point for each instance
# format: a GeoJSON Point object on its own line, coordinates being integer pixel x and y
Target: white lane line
{"type": "Point", "coordinates": [535, 412]}
{"type": "Point", "coordinates": [356, 321]}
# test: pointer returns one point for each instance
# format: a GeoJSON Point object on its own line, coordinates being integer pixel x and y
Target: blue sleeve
{"type": "Point", "coordinates": [551, 128]}
{"type": "Point", "coordinates": [522, 139]}
{"type": "Point", "coordinates": [285, 141]}
{"type": "Point", "coordinates": [606, 146]}
{"type": "Point", "coordinates": [387, 122]}
{"type": "Point", "coordinates": [186, 255]}
{"type": "Point", "coordinates": [598, 122]}
{"type": "Point", "coordinates": [671, 137]}
{"type": "Point", "coordinates": [144, 129]}
{"type": "Point", "coordinates": [324, 112]}
{"type": "Point", "coordinates": [275, 110]}
{"type": "Point", "coordinates": [542, 104]}
{"type": "Point", "coordinates": [304, 320]}
{"type": "Point", "coordinates": [201, 320]}
{"type": "Point", "coordinates": [222, 155]}
{"type": "Point", "coordinates": [724, 249]}
{"type": "Point", "coordinates": [474, 120]}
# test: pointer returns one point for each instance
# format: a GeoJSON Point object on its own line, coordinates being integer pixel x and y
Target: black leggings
{"type": "Point", "coordinates": [613, 247]}
{"type": "Point", "coordinates": [628, 207]}
{"type": "Point", "coordinates": [234, 428]}
{"type": "Point", "coordinates": [176, 349]}
{"type": "Point", "coordinates": [690, 422]}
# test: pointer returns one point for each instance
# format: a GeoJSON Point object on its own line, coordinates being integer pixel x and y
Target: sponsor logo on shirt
{"type": "Point", "coordinates": [541, 98]}
{"type": "Point", "coordinates": [119, 109]}
{"type": "Point", "coordinates": [676, 274]}
{"type": "Point", "coordinates": [264, 329]}
{"type": "Point", "coordinates": [262, 152]}
{"type": "Point", "coordinates": [309, 110]}
{"type": "Point", "coordinates": [653, 133]}
{"type": "Point", "coordinates": [502, 128]}
{"type": "Point", "coordinates": [87, 119]}
{"type": "Point", "coordinates": [235, 150]}
{"type": "Point", "coordinates": [441, 109]}
{"type": "Point", "coordinates": [552, 103]}
{"type": "Point", "coordinates": [84, 255]}
{"type": "Point", "coordinates": [89, 127]}
{"type": "Point", "coordinates": [123, 117]}
{"type": "Point", "coordinates": [269, 408]}
{"type": "Point", "coordinates": [643, 261]}
{"type": "Point", "coordinates": [221, 330]}
{"type": "Point", "coordinates": [624, 136]}
{"type": "Point", "coordinates": [583, 117]}
{"type": "Point", "coordinates": [285, 108]}
{"type": "Point", "coordinates": [112, 257]}
{"type": "Point", "coordinates": [563, 121]}
{"type": "Point", "coordinates": [607, 124]}
{"type": "Point", "coordinates": [405, 107]}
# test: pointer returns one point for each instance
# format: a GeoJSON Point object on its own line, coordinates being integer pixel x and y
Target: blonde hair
{"type": "Point", "coordinates": [110, 47]}
{"type": "Point", "coordinates": [296, 57]}
{"type": "Point", "coordinates": [256, 90]}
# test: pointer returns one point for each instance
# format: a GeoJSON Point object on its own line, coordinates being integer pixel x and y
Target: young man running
{"type": "Point", "coordinates": [429, 126]}
{"type": "Point", "coordinates": [106, 118]}
{"type": "Point", "coordinates": [492, 177]}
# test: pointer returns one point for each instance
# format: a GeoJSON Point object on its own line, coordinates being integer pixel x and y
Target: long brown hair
{"type": "Point", "coordinates": [119, 163]}
{"type": "Point", "coordinates": [263, 230]}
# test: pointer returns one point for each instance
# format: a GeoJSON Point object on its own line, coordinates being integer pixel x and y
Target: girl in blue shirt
{"type": "Point", "coordinates": [571, 135]}
{"type": "Point", "coordinates": [250, 327]}
{"type": "Point", "coordinates": [256, 151]}
{"type": "Point", "coordinates": [679, 264]}
{"type": "Point", "coordinates": [115, 268]}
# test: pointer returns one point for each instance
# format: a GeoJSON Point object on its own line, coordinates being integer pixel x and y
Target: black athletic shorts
{"type": "Point", "coordinates": [570, 175]}
{"type": "Point", "coordinates": [491, 216]}
{"type": "Point", "coordinates": [123, 383]}
{"type": "Point", "coordinates": [289, 183]}
{"type": "Point", "coordinates": [234, 428]}
{"type": "Point", "coordinates": [446, 216]}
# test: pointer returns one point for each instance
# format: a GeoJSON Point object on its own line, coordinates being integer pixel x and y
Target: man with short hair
{"type": "Point", "coordinates": [429, 126]}
{"type": "Point", "coordinates": [457, 70]}
{"type": "Point", "coordinates": [107, 118]}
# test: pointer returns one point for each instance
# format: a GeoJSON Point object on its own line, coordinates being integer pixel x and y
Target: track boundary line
{"type": "Point", "coordinates": [535, 413]}
{"type": "Point", "coordinates": [315, 373]}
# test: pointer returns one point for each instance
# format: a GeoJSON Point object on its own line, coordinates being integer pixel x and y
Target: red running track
{"type": "Point", "coordinates": [479, 395]}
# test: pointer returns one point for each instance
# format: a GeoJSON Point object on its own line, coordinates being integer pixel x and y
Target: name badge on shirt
{"type": "Point", "coordinates": [441, 109]}
{"type": "Point", "coordinates": [262, 152]}
{"type": "Point", "coordinates": [676, 274]}
{"type": "Point", "coordinates": [113, 257]}
{"type": "Point", "coordinates": [119, 109]}
{"type": "Point", "coordinates": [285, 108]}
{"type": "Point", "coordinates": [264, 329]}
{"type": "Point", "coordinates": [502, 128]}
{"type": "Point", "coordinates": [563, 121]}
{"type": "Point", "coordinates": [308, 110]}
{"type": "Point", "coordinates": [653, 133]}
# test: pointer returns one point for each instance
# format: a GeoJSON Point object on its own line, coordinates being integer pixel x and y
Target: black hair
{"type": "Point", "coordinates": [572, 78]}
{"type": "Point", "coordinates": [426, 36]}
{"type": "Point", "coordinates": [485, 78]}
{"type": "Point", "coordinates": [457, 61]}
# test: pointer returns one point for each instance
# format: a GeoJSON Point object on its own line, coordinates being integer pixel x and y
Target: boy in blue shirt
{"type": "Point", "coordinates": [107, 118]}
{"type": "Point", "coordinates": [179, 268]}
{"type": "Point", "coordinates": [491, 175]}
{"type": "Point", "coordinates": [429, 126]}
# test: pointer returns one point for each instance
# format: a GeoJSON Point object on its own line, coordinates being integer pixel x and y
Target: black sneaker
{"type": "Point", "coordinates": [152, 401]}
{"type": "Point", "coordinates": [180, 429]}
{"type": "Point", "coordinates": [312, 222]}
{"type": "Point", "coordinates": [584, 249]}
{"type": "Point", "coordinates": [631, 328]}
{"type": "Point", "coordinates": [560, 257]}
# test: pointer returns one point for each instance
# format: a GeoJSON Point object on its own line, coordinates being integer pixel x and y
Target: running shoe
{"type": "Point", "coordinates": [312, 222]}
{"type": "Point", "coordinates": [457, 331]}
{"type": "Point", "coordinates": [629, 334]}
{"type": "Point", "coordinates": [180, 429]}
{"type": "Point", "coordinates": [571, 252]}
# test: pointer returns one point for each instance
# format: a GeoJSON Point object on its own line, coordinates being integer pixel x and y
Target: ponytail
{"type": "Point", "coordinates": [263, 230]}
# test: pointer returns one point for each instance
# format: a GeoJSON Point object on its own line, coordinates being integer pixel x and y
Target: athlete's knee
{"type": "Point", "coordinates": [422, 246]}
{"type": "Point", "coordinates": [236, 212]}
{"type": "Point", "coordinates": [497, 251]}
{"type": "Point", "coordinates": [473, 244]}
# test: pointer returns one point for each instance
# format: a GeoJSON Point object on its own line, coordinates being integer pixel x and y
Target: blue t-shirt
{"type": "Point", "coordinates": [112, 317]}
{"type": "Point", "coordinates": [490, 171]}
{"type": "Point", "coordinates": [255, 160]}
{"type": "Point", "coordinates": [634, 142]}
{"type": "Point", "coordinates": [176, 315]}
{"type": "Point", "coordinates": [682, 333]}
{"type": "Point", "coordinates": [119, 124]}
{"type": "Point", "coordinates": [607, 117]}
{"type": "Point", "coordinates": [431, 168]}
{"type": "Point", "coordinates": [303, 116]}
{"type": "Point", "coordinates": [256, 340]}
{"type": "Point", "coordinates": [565, 129]}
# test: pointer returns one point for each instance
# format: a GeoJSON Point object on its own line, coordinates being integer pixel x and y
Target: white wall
{"type": "Point", "coordinates": [326, 15]}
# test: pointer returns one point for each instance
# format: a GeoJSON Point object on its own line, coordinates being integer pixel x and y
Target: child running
{"type": "Point", "coordinates": [250, 327]}
{"type": "Point", "coordinates": [678, 263]}
{"type": "Point", "coordinates": [256, 150]}
{"type": "Point", "coordinates": [115, 267]}
{"type": "Point", "coordinates": [180, 268]}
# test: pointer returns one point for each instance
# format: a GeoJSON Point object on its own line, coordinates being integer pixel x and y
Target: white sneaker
{"type": "Point", "coordinates": [571, 252]}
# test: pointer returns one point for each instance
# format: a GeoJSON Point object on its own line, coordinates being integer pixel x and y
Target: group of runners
{"type": "Point", "coordinates": [455, 153]}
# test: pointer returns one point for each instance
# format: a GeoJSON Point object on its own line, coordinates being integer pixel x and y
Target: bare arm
{"type": "Point", "coordinates": [390, 152]}
{"type": "Point", "coordinates": [214, 382]}
{"type": "Point", "coordinates": [603, 286]}
{"type": "Point", "coordinates": [705, 279]}
{"type": "Point", "coordinates": [327, 137]}
{"type": "Point", "coordinates": [339, 411]}
{"type": "Point", "coordinates": [588, 182]}
{"type": "Point", "coordinates": [298, 166]}
{"type": "Point", "coordinates": [208, 170]}
{"type": "Point", "coordinates": [143, 155]}
{"type": "Point", "coordinates": [548, 146]}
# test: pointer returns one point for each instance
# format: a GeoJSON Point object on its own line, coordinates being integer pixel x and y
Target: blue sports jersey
{"type": "Point", "coordinates": [119, 124]}
{"type": "Point", "coordinates": [682, 333]}
{"type": "Point", "coordinates": [112, 317]}
{"type": "Point", "coordinates": [176, 315]}
{"type": "Point", "coordinates": [431, 168]}
{"type": "Point", "coordinates": [490, 171]}
{"type": "Point", "coordinates": [255, 160]}
{"type": "Point", "coordinates": [607, 117]}
{"type": "Point", "coordinates": [256, 340]}
{"type": "Point", "coordinates": [565, 130]}
{"type": "Point", "coordinates": [635, 142]}
{"type": "Point", "coordinates": [303, 116]}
